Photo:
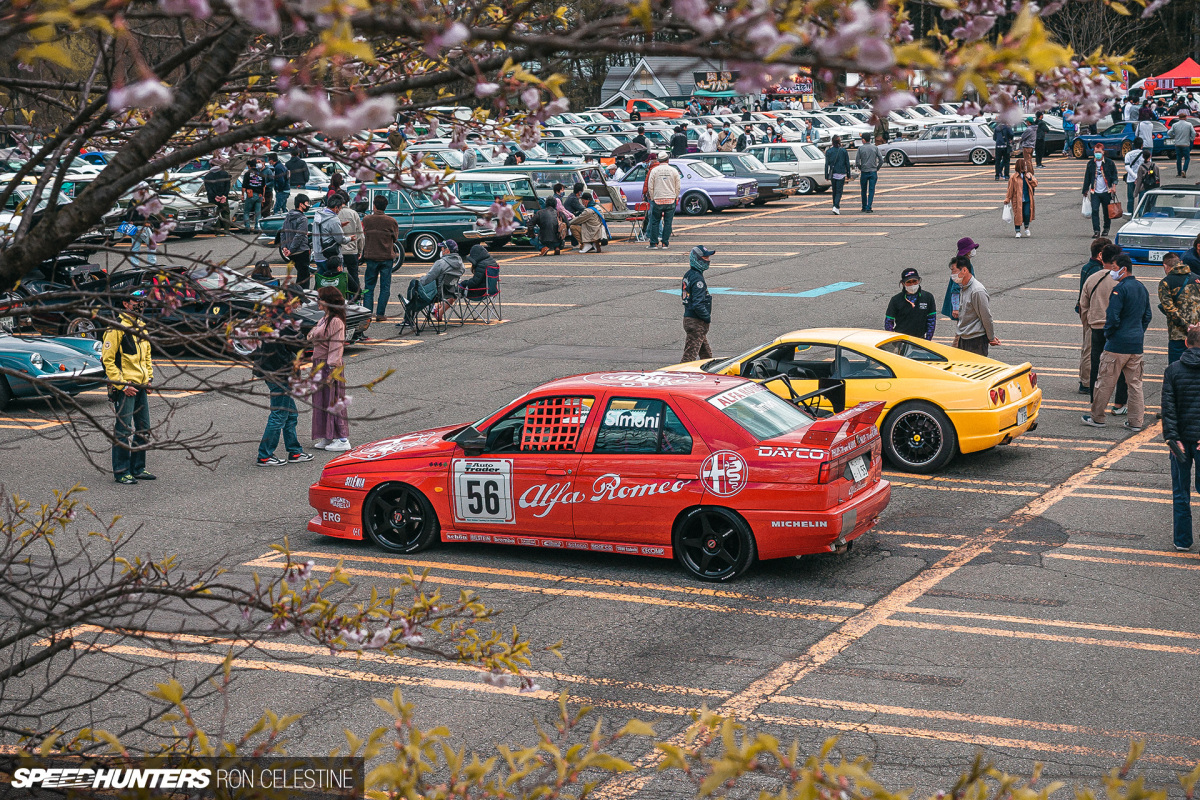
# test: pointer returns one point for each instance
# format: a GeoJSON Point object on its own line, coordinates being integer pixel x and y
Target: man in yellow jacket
{"type": "Point", "coordinates": [127, 363]}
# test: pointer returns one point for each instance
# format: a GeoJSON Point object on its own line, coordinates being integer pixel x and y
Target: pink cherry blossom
{"type": "Point", "coordinates": [259, 14]}
{"type": "Point", "coordinates": [486, 89]}
{"type": "Point", "coordinates": [147, 93]}
{"type": "Point", "coordinates": [197, 9]}
{"type": "Point", "coordinates": [893, 100]}
{"type": "Point", "coordinates": [454, 35]}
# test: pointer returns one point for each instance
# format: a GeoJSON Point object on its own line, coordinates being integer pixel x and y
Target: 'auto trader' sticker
{"type": "Point", "coordinates": [645, 379]}
{"type": "Point", "coordinates": [724, 473]}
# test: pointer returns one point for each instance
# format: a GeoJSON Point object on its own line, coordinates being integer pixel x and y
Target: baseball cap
{"type": "Point", "coordinates": [909, 274]}
{"type": "Point", "coordinates": [450, 245]}
{"type": "Point", "coordinates": [662, 156]}
{"type": "Point", "coordinates": [966, 245]}
{"type": "Point", "coordinates": [703, 252]}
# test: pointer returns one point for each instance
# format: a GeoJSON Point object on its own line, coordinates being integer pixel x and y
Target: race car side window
{"type": "Point", "coordinates": [852, 364]}
{"type": "Point", "coordinates": [641, 425]}
{"type": "Point", "coordinates": [548, 424]}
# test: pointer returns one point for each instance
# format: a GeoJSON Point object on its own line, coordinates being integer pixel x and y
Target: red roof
{"type": "Point", "coordinates": [1188, 69]}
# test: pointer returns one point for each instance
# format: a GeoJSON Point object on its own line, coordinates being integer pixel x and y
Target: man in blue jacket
{"type": "Point", "coordinates": [1125, 327]}
{"type": "Point", "coordinates": [1181, 431]}
{"type": "Point", "coordinates": [697, 305]}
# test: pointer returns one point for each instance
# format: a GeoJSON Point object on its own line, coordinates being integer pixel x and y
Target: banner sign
{"type": "Point", "coordinates": [715, 81]}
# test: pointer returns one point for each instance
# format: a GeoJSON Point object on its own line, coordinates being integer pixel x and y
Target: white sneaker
{"type": "Point", "coordinates": [585, 249]}
{"type": "Point", "coordinates": [338, 445]}
{"type": "Point", "coordinates": [837, 210]}
{"type": "Point", "coordinates": [321, 444]}
{"type": "Point", "coordinates": [1028, 233]}
{"type": "Point", "coordinates": [1018, 234]}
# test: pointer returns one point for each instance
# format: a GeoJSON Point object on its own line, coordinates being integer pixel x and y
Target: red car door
{"type": "Point", "coordinates": [641, 470]}
{"type": "Point", "coordinates": [523, 485]}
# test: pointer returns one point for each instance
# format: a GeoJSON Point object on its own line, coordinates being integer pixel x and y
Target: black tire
{"type": "Point", "coordinates": [186, 235]}
{"type": "Point", "coordinates": [498, 243]}
{"type": "Point", "coordinates": [397, 518]}
{"type": "Point", "coordinates": [397, 257]}
{"type": "Point", "coordinates": [5, 393]}
{"type": "Point", "coordinates": [919, 437]}
{"type": "Point", "coordinates": [694, 204]}
{"type": "Point", "coordinates": [979, 156]}
{"type": "Point", "coordinates": [713, 543]}
{"type": "Point", "coordinates": [897, 158]}
{"type": "Point", "coordinates": [759, 202]}
{"type": "Point", "coordinates": [806, 185]}
{"type": "Point", "coordinates": [424, 246]}
{"type": "Point", "coordinates": [823, 189]}
{"type": "Point", "coordinates": [279, 247]}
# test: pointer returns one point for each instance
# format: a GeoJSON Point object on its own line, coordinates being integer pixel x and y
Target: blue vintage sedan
{"type": "Point", "coordinates": [1118, 140]}
{"type": "Point", "coordinates": [33, 363]}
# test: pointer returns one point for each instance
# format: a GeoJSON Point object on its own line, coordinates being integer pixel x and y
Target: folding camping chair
{"type": "Point", "coordinates": [481, 305]}
{"type": "Point", "coordinates": [638, 232]}
{"type": "Point", "coordinates": [426, 318]}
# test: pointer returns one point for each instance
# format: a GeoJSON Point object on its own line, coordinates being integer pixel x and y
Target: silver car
{"type": "Point", "coordinates": [1167, 220]}
{"type": "Point", "coordinates": [954, 142]}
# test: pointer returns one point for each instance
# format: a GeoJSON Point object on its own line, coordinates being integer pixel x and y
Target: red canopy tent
{"type": "Point", "coordinates": [1185, 75]}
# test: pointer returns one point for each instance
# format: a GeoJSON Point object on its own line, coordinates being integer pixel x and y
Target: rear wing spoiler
{"type": "Point", "coordinates": [1011, 374]}
{"type": "Point", "coordinates": [824, 432]}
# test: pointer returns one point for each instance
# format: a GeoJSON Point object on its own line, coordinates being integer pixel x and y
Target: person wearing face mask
{"type": "Point", "coordinates": [707, 140]}
{"type": "Point", "coordinates": [129, 368]}
{"type": "Point", "coordinates": [912, 311]}
{"type": "Point", "coordinates": [1125, 325]}
{"type": "Point", "coordinates": [1099, 183]}
{"type": "Point", "coordinates": [253, 186]}
{"type": "Point", "coordinates": [697, 305]}
{"type": "Point", "coordinates": [1094, 295]}
{"type": "Point", "coordinates": [975, 330]}
{"type": "Point", "coordinates": [950, 303]}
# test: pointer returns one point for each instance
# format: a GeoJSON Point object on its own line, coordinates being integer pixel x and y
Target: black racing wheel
{"type": "Point", "coordinates": [919, 437]}
{"type": "Point", "coordinates": [713, 543]}
{"type": "Point", "coordinates": [399, 519]}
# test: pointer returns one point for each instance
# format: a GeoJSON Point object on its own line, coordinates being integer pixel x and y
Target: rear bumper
{"type": "Point", "coordinates": [980, 430]}
{"type": "Point", "coordinates": [779, 534]}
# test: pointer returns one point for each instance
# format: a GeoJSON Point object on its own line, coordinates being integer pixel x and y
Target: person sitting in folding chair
{"type": "Point", "coordinates": [481, 293]}
{"type": "Point", "coordinates": [477, 284]}
{"type": "Point", "coordinates": [440, 281]}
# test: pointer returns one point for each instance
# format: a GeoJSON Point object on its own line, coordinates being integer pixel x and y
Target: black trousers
{"type": "Point", "coordinates": [301, 262]}
{"type": "Point", "coordinates": [838, 186]}
{"type": "Point", "coordinates": [1002, 156]}
{"type": "Point", "coordinates": [1097, 348]}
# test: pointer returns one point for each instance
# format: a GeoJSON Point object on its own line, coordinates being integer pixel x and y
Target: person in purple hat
{"type": "Point", "coordinates": [950, 305]}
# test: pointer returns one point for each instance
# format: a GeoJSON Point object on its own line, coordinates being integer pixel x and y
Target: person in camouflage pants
{"type": "Point", "coordinates": [1179, 300]}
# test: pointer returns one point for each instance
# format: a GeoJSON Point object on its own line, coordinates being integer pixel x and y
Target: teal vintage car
{"type": "Point", "coordinates": [424, 224]}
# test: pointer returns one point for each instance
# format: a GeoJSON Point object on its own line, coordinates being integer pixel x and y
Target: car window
{"type": "Point", "coordinates": [938, 133]}
{"type": "Point", "coordinates": [752, 162]}
{"type": "Point", "coordinates": [1113, 130]}
{"type": "Point", "coordinates": [759, 412]}
{"type": "Point", "coordinates": [852, 364]}
{"type": "Point", "coordinates": [703, 170]}
{"type": "Point", "coordinates": [961, 132]}
{"type": "Point", "coordinates": [480, 191]}
{"type": "Point", "coordinates": [802, 361]}
{"type": "Point", "coordinates": [636, 174]}
{"type": "Point", "coordinates": [725, 165]}
{"type": "Point", "coordinates": [780, 155]}
{"type": "Point", "coordinates": [1171, 205]}
{"type": "Point", "coordinates": [641, 425]}
{"type": "Point", "coordinates": [545, 425]}
{"type": "Point", "coordinates": [911, 350]}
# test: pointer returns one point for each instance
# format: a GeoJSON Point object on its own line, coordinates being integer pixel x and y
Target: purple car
{"type": "Point", "coordinates": [701, 187]}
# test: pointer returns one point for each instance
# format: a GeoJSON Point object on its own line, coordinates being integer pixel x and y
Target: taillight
{"type": "Point", "coordinates": [1033, 379]}
{"type": "Point", "coordinates": [995, 396]}
{"type": "Point", "coordinates": [1002, 395]}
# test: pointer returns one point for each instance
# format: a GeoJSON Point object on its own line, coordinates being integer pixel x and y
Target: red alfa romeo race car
{"type": "Point", "coordinates": [712, 470]}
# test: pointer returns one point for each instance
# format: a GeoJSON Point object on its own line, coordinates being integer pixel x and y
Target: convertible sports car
{"type": "Point", "coordinates": [938, 400]}
{"type": "Point", "coordinates": [1166, 220]}
{"type": "Point", "coordinates": [711, 470]}
{"type": "Point", "coordinates": [70, 365]}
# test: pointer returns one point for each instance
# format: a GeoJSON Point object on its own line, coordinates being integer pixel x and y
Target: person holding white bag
{"type": "Point", "coordinates": [1018, 204]}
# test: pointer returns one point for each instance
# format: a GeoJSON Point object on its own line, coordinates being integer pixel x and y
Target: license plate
{"type": "Point", "coordinates": [1022, 415]}
{"type": "Point", "coordinates": [1157, 255]}
{"type": "Point", "coordinates": [858, 469]}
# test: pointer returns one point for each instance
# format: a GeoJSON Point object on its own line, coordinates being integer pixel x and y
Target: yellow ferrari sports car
{"type": "Point", "coordinates": [938, 400]}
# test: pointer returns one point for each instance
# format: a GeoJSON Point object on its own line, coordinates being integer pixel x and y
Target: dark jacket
{"type": "Point", "coordinates": [679, 144]}
{"type": "Point", "coordinates": [546, 223]}
{"type": "Point", "coordinates": [279, 176]}
{"type": "Point", "coordinates": [1192, 260]}
{"type": "Point", "coordinates": [380, 232]}
{"type": "Point", "coordinates": [1002, 135]}
{"type": "Point", "coordinates": [275, 358]}
{"type": "Point", "coordinates": [697, 302]}
{"type": "Point", "coordinates": [915, 315]}
{"type": "Point", "coordinates": [1042, 130]}
{"type": "Point", "coordinates": [1110, 174]}
{"type": "Point", "coordinates": [1128, 317]}
{"type": "Point", "coordinates": [1181, 399]}
{"type": "Point", "coordinates": [1088, 270]}
{"type": "Point", "coordinates": [573, 204]}
{"type": "Point", "coordinates": [216, 184]}
{"type": "Point", "coordinates": [253, 182]}
{"type": "Point", "coordinates": [297, 172]}
{"type": "Point", "coordinates": [836, 160]}
{"type": "Point", "coordinates": [480, 260]}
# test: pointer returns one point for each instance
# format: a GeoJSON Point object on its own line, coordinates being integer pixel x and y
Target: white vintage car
{"type": "Point", "coordinates": [803, 160]}
{"type": "Point", "coordinates": [1167, 220]}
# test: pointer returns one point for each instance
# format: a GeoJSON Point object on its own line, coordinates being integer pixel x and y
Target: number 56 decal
{"type": "Point", "coordinates": [483, 491]}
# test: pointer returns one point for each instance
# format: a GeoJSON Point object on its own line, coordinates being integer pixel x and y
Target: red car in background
{"type": "Point", "coordinates": [712, 470]}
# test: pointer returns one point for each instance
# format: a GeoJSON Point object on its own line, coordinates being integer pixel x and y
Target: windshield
{"type": "Point", "coordinates": [704, 170]}
{"type": "Point", "coordinates": [537, 151]}
{"type": "Point", "coordinates": [760, 412]}
{"type": "Point", "coordinates": [1173, 205]}
{"type": "Point", "coordinates": [20, 198]}
{"type": "Point", "coordinates": [924, 112]}
{"type": "Point", "coordinates": [607, 142]}
{"type": "Point", "coordinates": [451, 157]}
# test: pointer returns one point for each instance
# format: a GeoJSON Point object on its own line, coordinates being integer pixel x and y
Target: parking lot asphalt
{"type": "Point", "coordinates": [1025, 602]}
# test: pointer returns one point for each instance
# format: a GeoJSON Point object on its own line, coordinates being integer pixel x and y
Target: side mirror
{"type": "Point", "coordinates": [472, 441]}
{"type": "Point", "coordinates": [735, 370]}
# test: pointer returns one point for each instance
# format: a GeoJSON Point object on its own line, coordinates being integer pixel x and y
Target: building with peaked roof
{"type": "Point", "coordinates": [661, 77]}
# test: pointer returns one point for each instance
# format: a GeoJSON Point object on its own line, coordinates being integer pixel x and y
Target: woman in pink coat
{"type": "Point", "coordinates": [330, 422]}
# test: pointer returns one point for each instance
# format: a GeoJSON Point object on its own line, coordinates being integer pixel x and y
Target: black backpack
{"type": "Point", "coordinates": [1150, 179]}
